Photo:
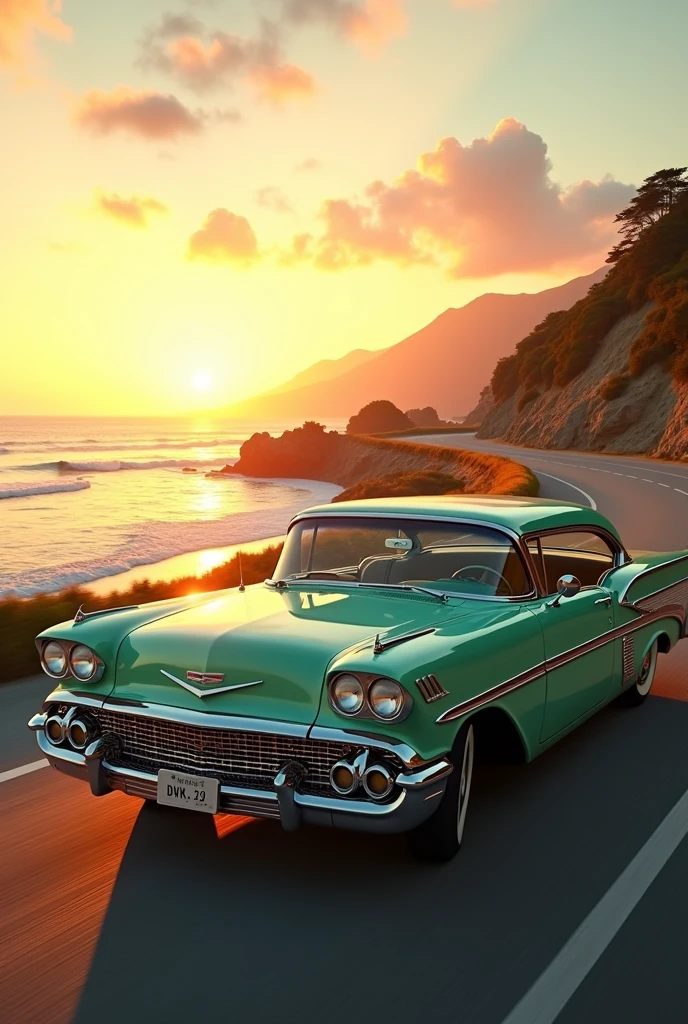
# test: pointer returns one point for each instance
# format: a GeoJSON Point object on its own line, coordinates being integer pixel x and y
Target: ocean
{"type": "Point", "coordinates": [85, 499]}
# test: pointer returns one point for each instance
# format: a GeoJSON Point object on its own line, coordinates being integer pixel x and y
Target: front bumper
{"type": "Point", "coordinates": [419, 791]}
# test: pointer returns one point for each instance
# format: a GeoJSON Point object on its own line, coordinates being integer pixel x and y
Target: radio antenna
{"type": "Point", "coordinates": [241, 575]}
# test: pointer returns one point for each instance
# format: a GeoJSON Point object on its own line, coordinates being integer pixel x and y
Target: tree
{"type": "Point", "coordinates": [655, 198]}
{"type": "Point", "coordinates": [378, 418]}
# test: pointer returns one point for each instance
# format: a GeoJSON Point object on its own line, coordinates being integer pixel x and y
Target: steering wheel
{"type": "Point", "coordinates": [484, 570]}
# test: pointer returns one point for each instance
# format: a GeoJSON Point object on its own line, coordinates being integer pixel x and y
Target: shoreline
{"type": "Point", "coordinates": [193, 563]}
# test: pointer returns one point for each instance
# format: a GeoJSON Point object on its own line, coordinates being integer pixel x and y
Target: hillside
{"type": "Point", "coordinates": [445, 364]}
{"type": "Point", "coordinates": [325, 370]}
{"type": "Point", "coordinates": [611, 373]}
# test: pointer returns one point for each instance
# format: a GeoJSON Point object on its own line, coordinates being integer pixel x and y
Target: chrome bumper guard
{"type": "Point", "coordinates": [420, 790]}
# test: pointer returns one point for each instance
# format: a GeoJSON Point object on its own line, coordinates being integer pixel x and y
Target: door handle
{"type": "Point", "coordinates": [604, 600]}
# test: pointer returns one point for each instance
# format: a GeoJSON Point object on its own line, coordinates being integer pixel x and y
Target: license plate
{"type": "Point", "coordinates": [194, 792]}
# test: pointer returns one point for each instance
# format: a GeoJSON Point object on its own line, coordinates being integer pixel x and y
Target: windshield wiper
{"type": "Point", "coordinates": [442, 598]}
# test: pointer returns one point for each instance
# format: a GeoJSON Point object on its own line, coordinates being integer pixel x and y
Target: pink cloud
{"type": "Point", "coordinates": [20, 20]}
{"type": "Point", "coordinates": [274, 198]}
{"type": "Point", "coordinates": [133, 211]}
{"type": "Point", "coordinates": [201, 60]}
{"type": "Point", "coordinates": [150, 115]}
{"type": "Point", "coordinates": [479, 210]}
{"type": "Point", "coordinates": [225, 237]}
{"type": "Point", "coordinates": [311, 163]}
{"type": "Point", "coordinates": [282, 83]}
{"type": "Point", "coordinates": [369, 23]}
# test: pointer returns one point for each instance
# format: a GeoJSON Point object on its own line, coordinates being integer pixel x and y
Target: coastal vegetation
{"type": "Point", "coordinates": [649, 265]}
{"type": "Point", "coordinates": [367, 467]}
{"type": "Point", "coordinates": [377, 417]}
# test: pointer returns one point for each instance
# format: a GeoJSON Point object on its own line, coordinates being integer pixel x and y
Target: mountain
{"type": "Point", "coordinates": [325, 370]}
{"type": "Point", "coordinates": [611, 373]}
{"type": "Point", "coordinates": [445, 364]}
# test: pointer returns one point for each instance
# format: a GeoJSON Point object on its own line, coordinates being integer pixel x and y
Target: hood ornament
{"type": "Point", "coordinates": [206, 680]}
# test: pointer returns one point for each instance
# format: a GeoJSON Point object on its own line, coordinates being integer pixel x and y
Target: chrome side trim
{"type": "Point", "coordinates": [502, 689]}
{"type": "Point", "coordinates": [198, 692]}
{"type": "Point", "coordinates": [648, 572]}
{"type": "Point", "coordinates": [427, 776]}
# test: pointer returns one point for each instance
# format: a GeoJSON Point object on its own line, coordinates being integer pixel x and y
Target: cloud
{"type": "Point", "coordinates": [133, 211]}
{"type": "Point", "coordinates": [274, 199]}
{"type": "Point", "coordinates": [368, 23]}
{"type": "Point", "coordinates": [20, 20]}
{"type": "Point", "coordinates": [279, 84]}
{"type": "Point", "coordinates": [224, 238]}
{"type": "Point", "coordinates": [309, 164]}
{"type": "Point", "coordinates": [479, 210]}
{"type": "Point", "coordinates": [150, 115]}
{"type": "Point", "coordinates": [181, 46]}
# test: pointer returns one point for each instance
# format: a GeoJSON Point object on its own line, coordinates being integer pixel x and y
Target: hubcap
{"type": "Point", "coordinates": [646, 673]}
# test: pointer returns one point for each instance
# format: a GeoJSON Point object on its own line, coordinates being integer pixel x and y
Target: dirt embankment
{"type": "Point", "coordinates": [346, 460]}
{"type": "Point", "coordinates": [650, 415]}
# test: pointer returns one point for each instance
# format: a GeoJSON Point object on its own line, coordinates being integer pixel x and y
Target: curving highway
{"type": "Point", "coordinates": [568, 902]}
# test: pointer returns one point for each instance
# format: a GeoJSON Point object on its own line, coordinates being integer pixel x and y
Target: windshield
{"type": "Point", "coordinates": [454, 557]}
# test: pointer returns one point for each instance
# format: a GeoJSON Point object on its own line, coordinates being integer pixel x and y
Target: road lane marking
{"type": "Point", "coordinates": [593, 503]}
{"type": "Point", "coordinates": [631, 477]}
{"type": "Point", "coordinates": [616, 473]}
{"type": "Point", "coordinates": [23, 769]}
{"type": "Point", "coordinates": [679, 491]}
{"type": "Point", "coordinates": [543, 1003]}
{"type": "Point", "coordinates": [660, 484]}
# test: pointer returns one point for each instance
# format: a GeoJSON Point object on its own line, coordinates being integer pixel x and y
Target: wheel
{"type": "Point", "coordinates": [637, 693]}
{"type": "Point", "coordinates": [439, 838]}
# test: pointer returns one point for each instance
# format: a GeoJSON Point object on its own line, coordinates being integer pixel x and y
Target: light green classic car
{"type": "Point", "coordinates": [397, 638]}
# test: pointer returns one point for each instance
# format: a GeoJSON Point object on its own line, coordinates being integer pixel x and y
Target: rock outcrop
{"type": "Point", "coordinates": [650, 416]}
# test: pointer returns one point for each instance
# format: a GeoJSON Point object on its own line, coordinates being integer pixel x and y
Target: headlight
{"type": "Point", "coordinates": [83, 662]}
{"type": "Point", "coordinates": [386, 698]}
{"type": "Point", "coordinates": [347, 694]}
{"type": "Point", "coordinates": [54, 659]}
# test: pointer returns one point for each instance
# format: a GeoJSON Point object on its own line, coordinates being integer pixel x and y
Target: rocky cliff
{"type": "Point", "coordinates": [649, 416]}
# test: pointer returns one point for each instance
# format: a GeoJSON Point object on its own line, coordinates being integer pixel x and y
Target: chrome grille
{"type": "Point", "coordinates": [247, 759]}
{"type": "Point", "coordinates": [628, 648]}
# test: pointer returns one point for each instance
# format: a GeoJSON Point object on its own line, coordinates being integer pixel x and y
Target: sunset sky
{"type": "Point", "coordinates": [200, 199]}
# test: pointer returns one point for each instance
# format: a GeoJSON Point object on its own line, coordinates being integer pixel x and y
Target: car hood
{"type": "Point", "coordinates": [283, 641]}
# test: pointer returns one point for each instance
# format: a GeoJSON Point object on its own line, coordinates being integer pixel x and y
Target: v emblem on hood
{"type": "Point", "coordinates": [206, 691]}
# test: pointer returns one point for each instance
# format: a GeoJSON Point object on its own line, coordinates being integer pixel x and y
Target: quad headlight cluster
{"type": "Point", "coordinates": [368, 696]}
{"type": "Point", "coordinates": [60, 659]}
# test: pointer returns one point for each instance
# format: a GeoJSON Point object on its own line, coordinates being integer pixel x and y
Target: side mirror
{"type": "Point", "coordinates": [567, 586]}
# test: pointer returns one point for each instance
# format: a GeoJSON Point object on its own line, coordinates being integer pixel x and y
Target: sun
{"type": "Point", "coordinates": [202, 381]}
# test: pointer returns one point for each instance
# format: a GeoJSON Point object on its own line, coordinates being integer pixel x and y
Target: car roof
{"type": "Point", "coordinates": [522, 515]}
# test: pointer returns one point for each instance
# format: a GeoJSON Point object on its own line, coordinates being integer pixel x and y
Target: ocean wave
{"type": "Point", "coordinates": [115, 465]}
{"type": "Point", "coordinates": [151, 542]}
{"type": "Point", "coordinates": [26, 490]}
{"type": "Point", "coordinates": [123, 446]}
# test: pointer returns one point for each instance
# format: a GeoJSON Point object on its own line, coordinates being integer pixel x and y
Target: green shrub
{"type": "Point", "coordinates": [400, 485]}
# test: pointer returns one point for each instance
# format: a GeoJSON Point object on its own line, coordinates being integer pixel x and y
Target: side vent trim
{"type": "Point", "coordinates": [628, 650]}
{"type": "Point", "coordinates": [430, 688]}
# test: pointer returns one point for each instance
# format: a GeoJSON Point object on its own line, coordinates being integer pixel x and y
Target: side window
{"type": "Point", "coordinates": [583, 554]}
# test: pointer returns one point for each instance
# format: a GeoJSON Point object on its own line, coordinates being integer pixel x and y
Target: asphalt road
{"type": "Point", "coordinates": [113, 910]}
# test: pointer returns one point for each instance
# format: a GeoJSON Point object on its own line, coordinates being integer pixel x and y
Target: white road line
{"type": "Point", "coordinates": [679, 491]}
{"type": "Point", "coordinates": [631, 477]}
{"type": "Point", "coordinates": [606, 471]}
{"type": "Point", "coordinates": [660, 484]}
{"type": "Point", "coordinates": [616, 473]}
{"type": "Point", "coordinates": [592, 502]}
{"type": "Point", "coordinates": [555, 986]}
{"type": "Point", "coordinates": [646, 481]}
{"type": "Point", "coordinates": [23, 769]}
